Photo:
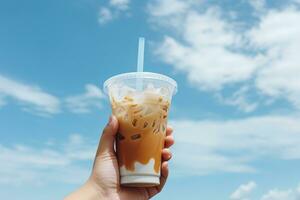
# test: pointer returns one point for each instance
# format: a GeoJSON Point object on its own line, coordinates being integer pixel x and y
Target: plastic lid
{"type": "Point", "coordinates": [134, 75]}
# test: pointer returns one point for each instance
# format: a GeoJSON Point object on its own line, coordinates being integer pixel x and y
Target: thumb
{"type": "Point", "coordinates": [106, 144]}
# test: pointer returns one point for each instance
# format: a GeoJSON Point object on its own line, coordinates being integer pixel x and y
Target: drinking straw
{"type": "Point", "coordinates": [140, 62]}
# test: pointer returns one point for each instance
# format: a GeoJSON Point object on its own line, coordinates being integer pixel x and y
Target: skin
{"type": "Point", "coordinates": [104, 181]}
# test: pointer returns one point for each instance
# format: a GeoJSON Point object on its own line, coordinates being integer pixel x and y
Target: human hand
{"type": "Point", "coordinates": [104, 182]}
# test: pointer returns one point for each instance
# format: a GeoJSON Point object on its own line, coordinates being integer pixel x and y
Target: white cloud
{"type": "Point", "coordinates": [204, 55]}
{"type": "Point", "coordinates": [105, 15]}
{"type": "Point", "coordinates": [296, 1]}
{"type": "Point", "coordinates": [243, 191]}
{"type": "Point", "coordinates": [167, 7]}
{"type": "Point", "coordinates": [29, 96]}
{"type": "Point", "coordinates": [60, 162]}
{"type": "Point", "coordinates": [120, 4]}
{"type": "Point", "coordinates": [258, 5]}
{"type": "Point", "coordinates": [277, 194]}
{"type": "Point", "coordinates": [239, 99]}
{"type": "Point", "coordinates": [232, 145]}
{"type": "Point", "coordinates": [84, 103]}
{"type": "Point", "coordinates": [211, 50]}
{"type": "Point", "coordinates": [113, 10]}
{"type": "Point", "coordinates": [33, 99]}
{"type": "Point", "coordinates": [280, 76]}
{"type": "Point", "coordinates": [169, 13]}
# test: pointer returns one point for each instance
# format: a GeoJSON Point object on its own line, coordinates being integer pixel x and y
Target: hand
{"type": "Point", "coordinates": [104, 182]}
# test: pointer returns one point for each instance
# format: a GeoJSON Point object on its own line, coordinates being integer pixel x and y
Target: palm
{"type": "Point", "coordinates": [106, 174]}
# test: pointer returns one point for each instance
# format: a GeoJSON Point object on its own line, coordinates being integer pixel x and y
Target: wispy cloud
{"type": "Point", "coordinates": [206, 37]}
{"type": "Point", "coordinates": [58, 162]}
{"type": "Point", "coordinates": [258, 5]}
{"type": "Point", "coordinates": [113, 10]}
{"type": "Point", "coordinates": [215, 52]}
{"type": "Point", "coordinates": [243, 191]}
{"type": "Point", "coordinates": [276, 194]}
{"type": "Point", "coordinates": [120, 4]}
{"type": "Point", "coordinates": [34, 100]}
{"type": "Point", "coordinates": [239, 99]}
{"type": "Point", "coordinates": [29, 96]}
{"type": "Point", "coordinates": [232, 145]}
{"type": "Point", "coordinates": [84, 103]}
{"type": "Point", "coordinates": [210, 146]}
{"type": "Point", "coordinates": [279, 78]}
{"type": "Point", "coordinates": [105, 15]}
{"type": "Point", "coordinates": [160, 8]}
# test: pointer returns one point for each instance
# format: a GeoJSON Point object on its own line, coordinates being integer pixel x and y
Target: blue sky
{"type": "Point", "coordinates": [236, 114]}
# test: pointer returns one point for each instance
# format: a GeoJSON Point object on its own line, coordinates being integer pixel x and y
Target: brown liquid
{"type": "Point", "coordinates": [142, 129]}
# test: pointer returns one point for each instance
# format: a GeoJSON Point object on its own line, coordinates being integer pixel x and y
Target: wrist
{"type": "Point", "coordinates": [95, 189]}
{"type": "Point", "coordinates": [100, 192]}
{"type": "Point", "coordinates": [88, 191]}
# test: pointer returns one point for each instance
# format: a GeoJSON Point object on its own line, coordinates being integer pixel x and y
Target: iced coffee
{"type": "Point", "coordinates": [142, 116]}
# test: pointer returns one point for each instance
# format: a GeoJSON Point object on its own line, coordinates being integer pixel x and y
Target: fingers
{"type": "Point", "coordinates": [164, 175]}
{"type": "Point", "coordinates": [152, 191]}
{"type": "Point", "coordinates": [169, 139]}
{"type": "Point", "coordinates": [106, 144]}
{"type": "Point", "coordinates": [169, 130]}
{"type": "Point", "coordinates": [166, 154]}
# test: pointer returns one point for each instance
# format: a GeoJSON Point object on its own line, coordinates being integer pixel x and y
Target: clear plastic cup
{"type": "Point", "coordinates": [140, 101]}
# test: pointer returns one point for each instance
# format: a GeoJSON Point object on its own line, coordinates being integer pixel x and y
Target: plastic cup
{"type": "Point", "coordinates": [142, 112]}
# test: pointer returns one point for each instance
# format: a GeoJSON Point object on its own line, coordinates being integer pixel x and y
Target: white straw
{"type": "Point", "coordinates": [140, 62]}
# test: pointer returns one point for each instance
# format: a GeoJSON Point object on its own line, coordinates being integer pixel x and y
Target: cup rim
{"type": "Point", "coordinates": [144, 75]}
